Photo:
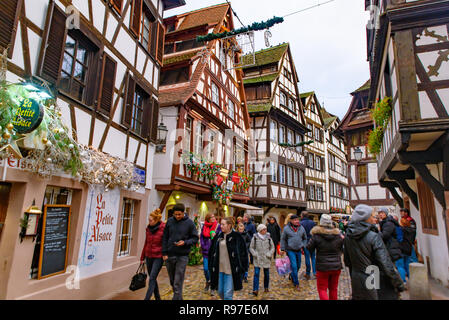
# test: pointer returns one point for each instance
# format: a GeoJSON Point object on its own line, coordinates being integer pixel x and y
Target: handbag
{"type": "Point", "coordinates": [139, 279]}
{"type": "Point", "coordinates": [283, 266]}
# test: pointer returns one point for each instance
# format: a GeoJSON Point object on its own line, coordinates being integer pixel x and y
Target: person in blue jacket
{"type": "Point", "coordinates": [309, 256]}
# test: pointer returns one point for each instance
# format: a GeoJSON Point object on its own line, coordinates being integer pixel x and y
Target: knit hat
{"type": "Point", "coordinates": [260, 227]}
{"type": "Point", "coordinates": [156, 215]}
{"type": "Point", "coordinates": [293, 217]}
{"type": "Point", "coordinates": [361, 213]}
{"type": "Point", "coordinates": [326, 221]}
{"type": "Point", "coordinates": [383, 209]}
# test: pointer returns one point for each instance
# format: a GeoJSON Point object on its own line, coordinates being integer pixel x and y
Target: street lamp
{"type": "Point", "coordinates": [161, 142]}
{"type": "Point", "coordinates": [358, 154]}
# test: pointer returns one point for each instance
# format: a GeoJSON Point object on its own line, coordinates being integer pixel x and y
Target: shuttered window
{"type": "Point", "coordinates": [362, 174]}
{"type": "Point", "coordinates": [107, 84]}
{"type": "Point", "coordinates": [140, 111]}
{"type": "Point", "coordinates": [117, 5]}
{"type": "Point", "coordinates": [9, 19]}
{"type": "Point", "coordinates": [160, 43]}
{"type": "Point", "coordinates": [427, 207]}
{"type": "Point", "coordinates": [136, 15]}
{"type": "Point", "coordinates": [53, 44]}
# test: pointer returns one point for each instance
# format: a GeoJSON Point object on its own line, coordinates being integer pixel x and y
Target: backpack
{"type": "Point", "coordinates": [255, 242]}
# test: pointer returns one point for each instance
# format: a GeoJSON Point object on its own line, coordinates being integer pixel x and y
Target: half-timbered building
{"type": "Point", "coordinates": [337, 166]}
{"type": "Point", "coordinates": [362, 174]}
{"type": "Point", "coordinates": [101, 60]}
{"type": "Point", "coordinates": [315, 156]}
{"type": "Point", "coordinates": [203, 105]}
{"type": "Point", "coordinates": [276, 118]}
{"type": "Point", "coordinates": [408, 57]}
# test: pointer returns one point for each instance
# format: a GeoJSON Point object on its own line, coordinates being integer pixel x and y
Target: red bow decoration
{"type": "Point", "coordinates": [218, 180]}
{"type": "Point", "coordinates": [235, 178]}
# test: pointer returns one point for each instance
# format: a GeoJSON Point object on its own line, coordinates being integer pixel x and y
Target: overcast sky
{"type": "Point", "coordinates": [328, 42]}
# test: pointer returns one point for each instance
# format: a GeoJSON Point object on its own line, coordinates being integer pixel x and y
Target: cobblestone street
{"type": "Point", "coordinates": [280, 287]}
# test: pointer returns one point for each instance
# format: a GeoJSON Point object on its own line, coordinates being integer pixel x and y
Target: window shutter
{"type": "Point", "coordinates": [9, 18]}
{"type": "Point", "coordinates": [146, 117]}
{"type": "Point", "coordinates": [322, 164]}
{"type": "Point", "coordinates": [107, 84]}
{"type": "Point", "coordinates": [136, 17]}
{"type": "Point", "coordinates": [154, 43]}
{"type": "Point", "coordinates": [53, 43]}
{"type": "Point", "coordinates": [117, 4]}
{"type": "Point", "coordinates": [129, 101]}
{"type": "Point", "coordinates": [160, 43]}
{"type": "Point", "coordinates": [155, 120]}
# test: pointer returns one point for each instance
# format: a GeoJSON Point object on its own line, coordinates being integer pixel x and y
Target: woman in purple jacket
{"type": "Point", "coordinates": [208, 232]}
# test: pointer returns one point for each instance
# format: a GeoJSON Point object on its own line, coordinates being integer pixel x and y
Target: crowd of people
{"type": "Point", "coordinates": [367, 242]}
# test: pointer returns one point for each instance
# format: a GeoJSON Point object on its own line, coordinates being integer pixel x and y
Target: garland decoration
{"type": "Point", "coordinates": [32, 120]}
{"type": "Point", "coordinates": [256, 26]}
{"type": "Point", "coordinates": [381, 114]}
{"type": "Point", "coordinates": [300, 144]}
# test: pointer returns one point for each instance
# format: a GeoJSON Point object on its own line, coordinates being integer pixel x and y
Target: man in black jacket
{"type": "Point", "coordinates": [275, 232]}
{"type": "Point", "coordinates": [373, 274]}
{"type": "Point", "coordinates": [179, 236]}
{"type": "Point", "coordinates": [389, 235]}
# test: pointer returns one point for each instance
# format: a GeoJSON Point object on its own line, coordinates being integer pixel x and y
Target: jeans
{"type": "Point", "coordinates": [403, 267]}
{"type": "Point", "coordinates": [225, 286]}
{"type": "Point", "coordinates": [413, 258]}
{"type": "Point", "coordinates": [266, 278]}
{"type": "Point", "coordinates": [206, 268]}
{"type": "Point", "coordinates": [154, 266]}
{"type": "Point", "coordinates": [328, 280]}
{"type": "Point", "coordinates": [295, 262]}
{"type": "Point", "coordinates": [310, 256]}
{"type": "Point", "coordinates": [176, 268]}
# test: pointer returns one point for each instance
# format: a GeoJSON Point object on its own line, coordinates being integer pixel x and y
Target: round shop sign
{"type": "Point", "coordinates": [28, 116]}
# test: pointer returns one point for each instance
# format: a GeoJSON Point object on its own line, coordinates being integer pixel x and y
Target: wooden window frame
{"type": "Point", "coordinates": [212, 94]}
{"type": "Point", "coordinates": [286, 99]}
{"type": "Point", "coordinates": [233, 109]}
{"type": "Point", "coordinates": [283, 135]}
{"type": "Point", "coordinates": [358, 174]}
{"type": "Point", "coordinates": [274, 131]}
{"type": "Point", "coordinates": [189, 131]}
{"type": "Point", "coordinates": [280, 174]}
{"type": "Point", "coordinates": [117, 5]}
{"type": "Point", "coordinates": [296, 178]}
{"type": "Point", "coordinates": [131, 219]}
{"type": "Point", "coordinates": [274, 168]}
{"type": "Point", "coordinates": [427, 210]}
{"type": "Point", "coordinates": [289, 176]}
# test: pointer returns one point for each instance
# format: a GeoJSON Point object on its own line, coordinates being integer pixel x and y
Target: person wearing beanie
{"type": "Point", "coordinates": [152, 252]}
{"type": "Point", "coordinates": [328, 243]}
{"type": "Point", "coordinates": [262, 249]}
{"type": "Point", "coordinates": [180, 235]}
{"type": "Point", "coordinates": [363, 247]}
{"type": "Point", "coordinates": [293, 241]}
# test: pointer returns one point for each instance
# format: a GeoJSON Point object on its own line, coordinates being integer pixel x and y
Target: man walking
{"type": "Point", "coordinates": [250, 228]}
{"type": "Point", "coordinates": [308, 225]}
{"type": "Point", "coordinates": [367, 258]}
{"type": "Point", "coordinates": [179, 235]}
{"type": "Point", "coordinates": [293, 241]}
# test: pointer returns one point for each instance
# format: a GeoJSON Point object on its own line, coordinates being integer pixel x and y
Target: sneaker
{"type": "Point", "coordinates": [267, 290]}
{"type": "Point", "coordinates": [206, 289]}
{"type": "Point", "coordinates": [307, 276]}
{"type": "Point", "coordinates": [255, 293]}
{"type": "Point", "coordinates": [212, 293]}
{"type": "Point", "coordinates": [297, 288]}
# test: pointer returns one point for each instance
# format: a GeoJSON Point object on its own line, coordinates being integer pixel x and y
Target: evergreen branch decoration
{"type": "Point", "coordinates": [256, 26]}
{"type": "Point", "coordinates": [289, 145]}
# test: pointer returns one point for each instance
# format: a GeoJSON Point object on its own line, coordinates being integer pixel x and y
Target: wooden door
{"type": "Point", "coordinates": [4, 200]}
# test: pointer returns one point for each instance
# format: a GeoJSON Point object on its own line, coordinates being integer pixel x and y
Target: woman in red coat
{"type": "Point", "coordinates": [152, 252]}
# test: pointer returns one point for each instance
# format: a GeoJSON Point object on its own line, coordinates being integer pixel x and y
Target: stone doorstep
{"type": "Point", "coordinates": [437, 290]}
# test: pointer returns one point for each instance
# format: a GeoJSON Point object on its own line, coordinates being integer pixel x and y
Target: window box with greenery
{"type": "Point", "coordinates": [381, 115]}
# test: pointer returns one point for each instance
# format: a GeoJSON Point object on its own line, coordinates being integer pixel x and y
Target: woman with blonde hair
{"type": "Point", "coordinates": [152, 252]}
{"type": "Point", "coordinates": [287, 220]}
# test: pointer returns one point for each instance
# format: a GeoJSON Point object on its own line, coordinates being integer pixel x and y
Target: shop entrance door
{"type": "Point", "coordinates": [5, 188]}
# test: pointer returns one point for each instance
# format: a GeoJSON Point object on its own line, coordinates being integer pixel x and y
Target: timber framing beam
{"type": "Point", "coordinates": [435, 185]}
{"type": "Point", "coordinates": [401, 177]}
{"type": "Point", "coordinates": [391, 186]}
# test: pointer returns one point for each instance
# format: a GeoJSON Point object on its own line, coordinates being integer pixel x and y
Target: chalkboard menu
{"type": "Point", "coordinates": [55, 235]}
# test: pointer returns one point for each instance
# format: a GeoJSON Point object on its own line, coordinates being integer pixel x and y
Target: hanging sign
{"type": "Point", "coordinates": [28, 116]}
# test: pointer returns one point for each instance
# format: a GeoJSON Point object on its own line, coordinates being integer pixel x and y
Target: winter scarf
{"type": "Point", "coordinates": [208, 227]}
{"type": "Point", "coordinates": [153, 229]}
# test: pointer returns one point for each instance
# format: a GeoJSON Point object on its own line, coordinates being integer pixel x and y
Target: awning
{"type": "Point", "coordinates": [254, 211]}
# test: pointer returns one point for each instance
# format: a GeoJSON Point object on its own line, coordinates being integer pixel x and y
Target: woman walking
{"type": "Point", "coordinates": [210, 229]}
{"type": "Point", "coordinates": [328, 243]}
{"type": "Point", "coordinates": [228, 259]}
{"type": "Point", "coordinates": [152, 252]}
{"type": "Point", "coordinates": [245, 235]}
{"type": "Point", "coordinates": [262, 248]}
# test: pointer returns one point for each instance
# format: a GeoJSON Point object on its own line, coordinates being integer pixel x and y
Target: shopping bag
{"type": "Point", "coordinates": [278, 249]}
{"type": "Point", "coordinates": [283, 266]}
{"type": "Point", "coordinates": [139, 279]}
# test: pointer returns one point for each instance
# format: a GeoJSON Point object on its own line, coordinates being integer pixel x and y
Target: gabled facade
{"type": "Point", "coordinates": [276, 117]}
{"type": "Point", "coordinates": [315, 155]}
{"type": "Point", "coordinates": [362, 175]}
{"type": "Point", "coordinates": [104, 75]}
{"type": "Point", "coordinates": [203, 105]}
{"type": "Point", "coordinates": [337, 166]}
{"type": "Point", "coordinates": [408, 59]}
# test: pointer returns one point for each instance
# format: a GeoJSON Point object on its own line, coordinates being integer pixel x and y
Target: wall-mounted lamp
{"type": "Point", "coordinates": [30, 221]}
{"type": "Point", "coordinates": [358, 154]}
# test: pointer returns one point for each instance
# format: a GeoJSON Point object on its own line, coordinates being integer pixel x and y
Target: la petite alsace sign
{"type": "Point", "coordinates": [99, 232]}
{"type": "Point", "coordinates": [28, 116]}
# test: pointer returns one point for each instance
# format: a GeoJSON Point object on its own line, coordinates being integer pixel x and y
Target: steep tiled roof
{"type": "Point", "coordinates": [210, 15]}
{"type": "Point", "coordinates": [366, 86]}
{"type": "Point", "coordinates": [266, 56]}
{"type": "Point", "coordinates": [266, 78]}
{"type": "Point", "coordinates": [180, 57]}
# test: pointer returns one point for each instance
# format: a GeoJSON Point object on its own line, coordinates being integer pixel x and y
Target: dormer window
{"type": "Point", "coordinates": [283, 99]}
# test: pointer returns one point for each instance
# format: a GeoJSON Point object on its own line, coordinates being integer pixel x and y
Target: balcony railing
{"type": "Point", "coordinates": [390, 134]}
